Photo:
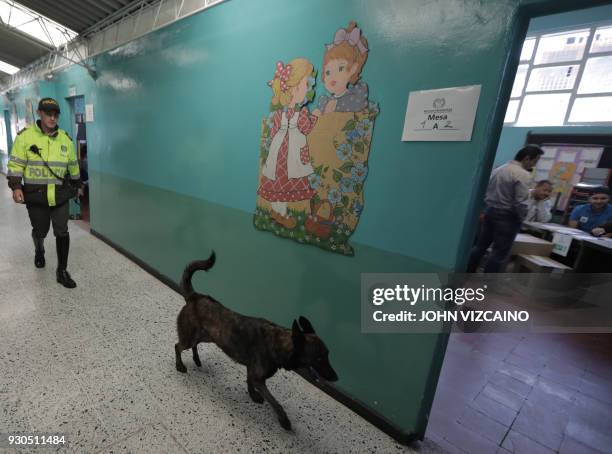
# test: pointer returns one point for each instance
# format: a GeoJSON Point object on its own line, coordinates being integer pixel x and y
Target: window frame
{"type": "Point", "coordinates": [592, 28]}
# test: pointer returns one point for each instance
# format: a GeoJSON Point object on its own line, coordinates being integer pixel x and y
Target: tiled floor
{"type": "Point", "coordinates": [501, 393]}
{"type": "Point", "coordinates": [97, 363]}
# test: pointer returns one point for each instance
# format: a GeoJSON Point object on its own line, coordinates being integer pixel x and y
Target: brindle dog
{"type": "Point", "coordinates": [262, 346]}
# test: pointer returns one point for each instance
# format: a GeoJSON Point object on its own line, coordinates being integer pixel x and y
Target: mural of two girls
{"type": "Point", "coordinates": [313, 165]}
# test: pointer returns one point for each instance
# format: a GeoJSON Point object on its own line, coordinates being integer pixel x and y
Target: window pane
{"type": "Point", "coordinates": [16, 16]}
{"type": "Point", "coordinates": [511, 111]}
{"type": "Point", "coordinates": [602, 41]}
{"type": "Point", "coordinates": [597, 76]}
{"type": "Point", "coordinates": [553, 78]}
{"type": "Point", "coordinates": [568, 46]}
{"type": "Point", "coordinates": [592, 110]}
{"type": "Point", "coordinates": [543, 110]}
{"type": "Point", "coordinates": [519, 81]}
{"type": "Point", "coordinates": [527, 50]}
{"type": "Point", "coordinates": [7, 68]}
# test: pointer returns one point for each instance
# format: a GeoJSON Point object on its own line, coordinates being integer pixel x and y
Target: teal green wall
{"type": "Point", "coordinates": [513, 138]}
{"type": "Point", "coordinates": [576, 18]}
{"type": "Point", "coordinates": [174, 148]}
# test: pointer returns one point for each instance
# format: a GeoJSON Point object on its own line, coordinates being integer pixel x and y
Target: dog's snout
{"type": "Point", "coordinates": [333, 376]}
{"type": "Point", "coordinates": [326, 372]}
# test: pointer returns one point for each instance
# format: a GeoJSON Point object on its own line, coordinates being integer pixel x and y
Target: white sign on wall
{"type": "Point", "coordinates": [89, 114]}
{"type": "Point", "coordinates": [72, 91]}
{"type": "Point", "coordinates": [445, 114]}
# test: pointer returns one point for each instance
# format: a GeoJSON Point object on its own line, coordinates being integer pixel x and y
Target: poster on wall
{"type": "Point", "coordinates": [564, 165]}
{"type": "Point", "coordinates": [89, 113]}
{"type": "Point", "coordinates": [314, 161]}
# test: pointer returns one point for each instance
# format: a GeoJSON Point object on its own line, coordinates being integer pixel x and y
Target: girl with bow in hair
{"type": "Point", "coordinates": [287, 166]}
{"type": "Point", "coordinates": [342, 66]}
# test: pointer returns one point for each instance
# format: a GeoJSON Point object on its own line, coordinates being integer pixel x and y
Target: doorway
{"type": "Point", "coordinates": [525, 392]}
{"type": "Point", "coordinates": [80, 208]}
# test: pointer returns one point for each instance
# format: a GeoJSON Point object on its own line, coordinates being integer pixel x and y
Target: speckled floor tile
{"type": "Point", "coordinates": [151, 439]}
{"type": "Point", "coordinates": [97, 363]}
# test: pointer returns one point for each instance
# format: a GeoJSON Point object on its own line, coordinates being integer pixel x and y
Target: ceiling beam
{"type": "Point", "coordinates": [84, 12]}
{"type": "Point", "coordinates": [55, 14]}
{"type": "Point", "coordinates": [25, 37]}
{"type": "Point", "coordinates": [102, 6]}
{"type": "Point", "coordinates": [112, 4]}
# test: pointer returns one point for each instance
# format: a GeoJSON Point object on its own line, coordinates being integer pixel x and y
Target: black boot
{"type": "Point", "coordinates": [62, 244]}
{"type": "Point", "coordinates": [39, 252]}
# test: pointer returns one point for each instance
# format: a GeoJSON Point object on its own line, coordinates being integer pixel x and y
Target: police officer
{"type": "Point", "coordinates": [43, 173]}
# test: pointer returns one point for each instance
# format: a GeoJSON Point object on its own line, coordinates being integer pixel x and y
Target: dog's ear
{"type": "Point", "coordinates": [296, 333]}
{"type": "Point", "coordinates": [306, 325]}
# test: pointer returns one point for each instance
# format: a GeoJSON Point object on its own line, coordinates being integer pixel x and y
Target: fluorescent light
{"type": "Point", "coordinates": [6, 68]}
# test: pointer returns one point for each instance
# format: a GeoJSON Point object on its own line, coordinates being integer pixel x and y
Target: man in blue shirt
{"type": "Point", "coordinates": [593, 215]}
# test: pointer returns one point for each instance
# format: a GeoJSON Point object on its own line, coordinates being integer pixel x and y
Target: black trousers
{"type": "Point", "coordinates": [42, 216]}
{"type": "Point", "coordinates": [500, 227]}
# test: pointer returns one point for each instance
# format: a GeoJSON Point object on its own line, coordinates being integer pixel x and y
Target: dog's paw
{"type": "Point", "coordinates": [181, 368]}
{"type": "Point", "coordinates": [285, 423]}
{"type": "Point", "coordinates": [256, 397]}
{"type": "Point", "coordinates": [197, 362]}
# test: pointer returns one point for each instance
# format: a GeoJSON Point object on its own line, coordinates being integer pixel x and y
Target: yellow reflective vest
{"type": "Point", "coordinates": [57, 150]}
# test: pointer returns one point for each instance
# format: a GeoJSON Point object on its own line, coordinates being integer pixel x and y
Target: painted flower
{"type": "Point", "coordinates": [364, 127]}
{"type": "Point", "coordinates": [357, 209]}
{"type": "Point", "coordinates": [270, 120]}
{"type": "Point", "coordinates": [334, 196]}
{"type": "Point", "coordinates": [359, 172]}
{"type": "Point", "coordinates": [346, 185]}
{"type": "Point", "coordinates": [344, 151]}
{"type": "Point", "coordinates": [314, 180]}
{"type": "Point", "coordinates": [267, 143]}
{"type": "Point", "coordinates": [353, 135]}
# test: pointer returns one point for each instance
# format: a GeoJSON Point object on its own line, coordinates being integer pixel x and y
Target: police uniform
{"type": "Point", "coordinates": [44, 167]}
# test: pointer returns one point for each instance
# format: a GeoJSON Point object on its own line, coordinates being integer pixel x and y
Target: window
{"type": "Point", "coordinates": [563, 79]}
{"type": "Point", "coordinates": [527, 51]}
{"type": "Point", "coordinates": [561, 47]}
{"type": "Point", "coordinates": [597, 77]}
{"type": "Point", "coordinates": [602, 42]}
{"type": "Point", "coordinates": [40, 27]}
{"type": "Point", "coordinates": [553, 113]}
{"type": "Point", "coordinates": [7, 68]}
{"type": "Point", "coordinates": [519, 80]}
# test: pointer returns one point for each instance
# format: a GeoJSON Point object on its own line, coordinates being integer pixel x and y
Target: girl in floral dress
{"type": "Point", "coordinates": [287, 167]}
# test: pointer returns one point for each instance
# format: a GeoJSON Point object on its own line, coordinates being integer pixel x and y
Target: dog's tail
{"type": "Point", "coordinates": [186, 286]}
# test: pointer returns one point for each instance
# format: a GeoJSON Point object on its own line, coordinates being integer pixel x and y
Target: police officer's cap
{"type": "Point", "coordinates": [48, 105]}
